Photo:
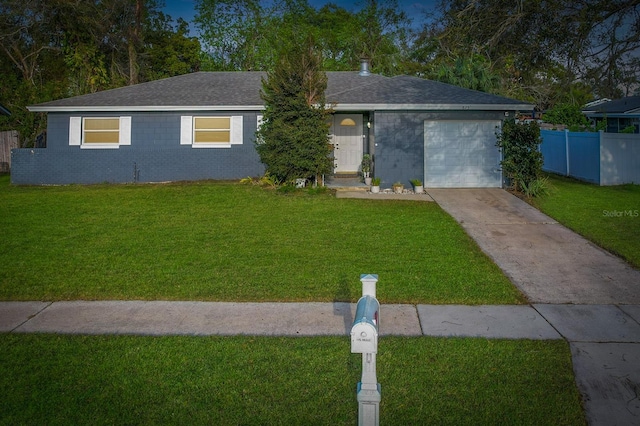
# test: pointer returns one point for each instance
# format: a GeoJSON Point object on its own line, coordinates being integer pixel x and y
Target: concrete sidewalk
{"type": "Point", "coordinates": [575, 323]}
{"type": "Point", "coordinates": [604, 339]}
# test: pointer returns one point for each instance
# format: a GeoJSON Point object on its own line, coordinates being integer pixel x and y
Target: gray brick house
{"type": "Point", "coordinates": [202, 126]}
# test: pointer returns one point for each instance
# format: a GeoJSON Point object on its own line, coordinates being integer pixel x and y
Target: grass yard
{"type": "Point", "coordinates": [232, 242]}
{"type": "Point", "coordinates": [48, 379]}
{"type": "Point", "coordinates": [607, 215]}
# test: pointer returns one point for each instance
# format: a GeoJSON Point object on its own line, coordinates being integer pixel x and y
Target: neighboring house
{"type": "Point", "coordinates": [619, 113]}
{"type": "Point", "coordinates": [202, 126]}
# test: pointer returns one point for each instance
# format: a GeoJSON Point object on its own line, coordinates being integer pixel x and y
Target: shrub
{"type": "Point", "coordinates": [570, 115]}
{"type": "Point", "coordinates": [366, 164]}
{"type": "Point", "coordinates": [522, 161]}
{"type": "Point", "coordinates": [536, 188]}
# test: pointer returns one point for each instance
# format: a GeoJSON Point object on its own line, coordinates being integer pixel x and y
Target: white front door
{"type": "Point", "coordinates": [347, 142]}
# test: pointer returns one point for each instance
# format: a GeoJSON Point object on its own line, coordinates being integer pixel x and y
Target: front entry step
{"type": "Point", "coordinates": [348, 183]}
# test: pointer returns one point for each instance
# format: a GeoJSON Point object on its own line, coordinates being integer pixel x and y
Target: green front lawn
{"type": "Point", "coordinates": [607, 215]}
{"type": "Point", "coordinates": [48, 379]}
{"type": "Point", "coordinates": [232, 242]}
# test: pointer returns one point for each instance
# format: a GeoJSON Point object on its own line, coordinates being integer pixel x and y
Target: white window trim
{"type": "Point", "coordinates": [76, 133]}
{"type": "Point", "coordinates": [187, 131]}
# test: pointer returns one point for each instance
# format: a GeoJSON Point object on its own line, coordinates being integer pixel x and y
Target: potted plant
{"type": "Point", "coordinates": [398, 188]}
{"type": "Point", "coordinates": [366, 168]}
{"type": "Point", "coordinates": [375, 185]}
{"type": "Point", "coordinates": [417, 186]}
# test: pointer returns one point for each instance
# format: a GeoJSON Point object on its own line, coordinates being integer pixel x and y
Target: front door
{"type": "Point", "coordinates": [347, 142]}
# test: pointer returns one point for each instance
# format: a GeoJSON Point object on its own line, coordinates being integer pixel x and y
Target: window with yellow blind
{"type": "Point", "coordinates": [101, 130]}
{"type": "Point", "coordinates": [212, 130]}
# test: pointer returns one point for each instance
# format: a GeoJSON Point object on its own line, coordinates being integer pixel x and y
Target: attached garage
{"type": "Point", "coordinates": [461, 154]}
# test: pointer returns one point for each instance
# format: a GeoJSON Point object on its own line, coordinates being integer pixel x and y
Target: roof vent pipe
{"type": "Point", "coordinates": [364, 67]}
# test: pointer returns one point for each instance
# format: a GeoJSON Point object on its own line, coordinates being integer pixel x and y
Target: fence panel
{"type": "Point", "coordinates": [584, 156]}
{"type": "Point", "coordinates": [619, 159]}
{"type": "Point", "coordinates": [8, 141]}
{"type": "Point", "coordinates": [553, 148]}
{"type": "Point", "coordinates": [602, 158]}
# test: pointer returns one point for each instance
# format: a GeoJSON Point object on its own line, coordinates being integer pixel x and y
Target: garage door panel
{"type": "Point", "coordinates": [469, 131]}
{"type": "Point", "coordinates": [461, 154]}
{"type": "Point", "coordinates": [453, 159]}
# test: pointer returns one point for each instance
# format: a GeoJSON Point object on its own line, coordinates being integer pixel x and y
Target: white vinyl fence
{"type": "Point", "coordinates": [602, 158]}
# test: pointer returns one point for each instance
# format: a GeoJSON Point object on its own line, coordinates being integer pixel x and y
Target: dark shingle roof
{"type": "Point", "coordinates": [406, 90]}
{"type": "Point", "coordinates": [197, 89]}
{"type": "Point", "coordinates": [241, 90]}
{"type": "Point", "coordinates": [628, 105]}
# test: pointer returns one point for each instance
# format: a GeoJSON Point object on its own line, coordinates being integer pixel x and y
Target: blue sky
{"type": "Point", "coordinates": [415, 9]}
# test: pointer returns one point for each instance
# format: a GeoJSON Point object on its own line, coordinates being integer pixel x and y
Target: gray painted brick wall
{"type": "Point", "coordinates": [399, 141]}
{"type": "Point", "coordinates": [155, 155]}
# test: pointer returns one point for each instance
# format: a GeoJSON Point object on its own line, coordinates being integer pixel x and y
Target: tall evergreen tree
{"type": "Point", "coordinates": [293, 141]}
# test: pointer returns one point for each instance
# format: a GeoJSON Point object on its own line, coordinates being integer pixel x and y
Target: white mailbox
{"type": "Point", "coordinates": [364, 340]}
{"type": "Point", "coordinates": [364, 331]}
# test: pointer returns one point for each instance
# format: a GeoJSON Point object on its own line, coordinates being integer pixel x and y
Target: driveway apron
{"type": "Point", "coordinates": [546, 261]}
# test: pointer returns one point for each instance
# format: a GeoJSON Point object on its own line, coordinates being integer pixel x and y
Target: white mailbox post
{"type": "Point", "coordinates": [364, 340]}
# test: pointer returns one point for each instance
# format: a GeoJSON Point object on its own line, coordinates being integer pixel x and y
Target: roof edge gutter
{"type": "Point", "coordinates": [144, 108]}
{"type": "Point", "coordinates": [336, 107]}
{"type": "Point", "coordinates": [433, 107]}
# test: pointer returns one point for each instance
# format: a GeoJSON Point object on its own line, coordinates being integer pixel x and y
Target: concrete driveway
{"type": "Point", "coordinates": [545, 260]}
{"type": "Point", "coordinates": [580, 284]}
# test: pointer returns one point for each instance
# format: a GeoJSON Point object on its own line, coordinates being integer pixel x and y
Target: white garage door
{"type": "Point", "coordinates": [461, 154]}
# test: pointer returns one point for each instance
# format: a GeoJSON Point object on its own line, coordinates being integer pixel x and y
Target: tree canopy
{"type": "Point", "coordinates": [543, 51]}
{"type": "Point", "coordinates": [546, 52]}
{"type": "Point", "coordinates": [51, 49]}
{"type": "Point", "coordinates": [247, 34]}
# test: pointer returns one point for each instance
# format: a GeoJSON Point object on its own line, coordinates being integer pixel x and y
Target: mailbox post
{"type": "Point", "coordinates": [364, 340]}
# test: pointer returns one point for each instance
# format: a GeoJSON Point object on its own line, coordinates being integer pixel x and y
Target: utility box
{"type": "Point", "coordinates": [364, 331]}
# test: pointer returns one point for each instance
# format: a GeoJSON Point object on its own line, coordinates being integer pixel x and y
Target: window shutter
{"type": "Point", "coordinates": [125, 131]}
{"type": "Point", "coordinates": [236, 130]}
{"type": "Point", "coordinates": [75, 131]}
{"type": "Point", "coordinates": [186, 130]}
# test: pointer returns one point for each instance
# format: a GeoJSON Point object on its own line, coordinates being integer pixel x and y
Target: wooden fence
{"type": "Point", "coordinates": [8, 141]}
